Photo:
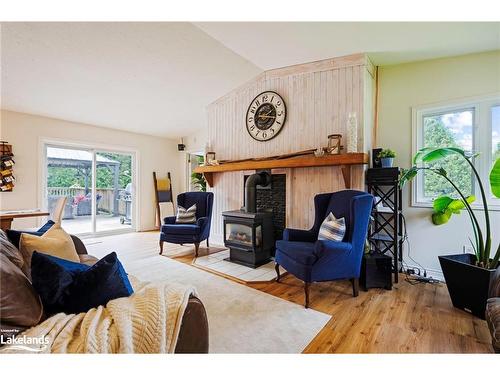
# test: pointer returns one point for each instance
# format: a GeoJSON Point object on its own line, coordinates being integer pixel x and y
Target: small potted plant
{"type": "Point", "coordinates": [468, 276]}
{"type": "Point", "coordinates": [386, 157]}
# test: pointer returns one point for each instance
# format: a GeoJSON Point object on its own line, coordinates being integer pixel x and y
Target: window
{"type": "Point", "coordinates": [449, 129]}
{"type": "Point", "coordinates": [473, 125]}
{"type": "Point", "coordinates": [495, 133]}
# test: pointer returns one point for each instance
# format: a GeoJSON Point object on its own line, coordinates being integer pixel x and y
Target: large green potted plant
{"type": "Point", "coordinates": [197, 179]}
{"type": "Point", "coordinates": [468, 276]}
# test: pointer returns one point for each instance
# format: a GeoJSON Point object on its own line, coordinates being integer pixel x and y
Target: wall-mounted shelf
{"type": "Point", "coordinates": [6, 167]}
{"type": "Point", "coordinates": [345, 161]}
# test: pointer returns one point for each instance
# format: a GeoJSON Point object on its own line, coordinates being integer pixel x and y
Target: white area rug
{"type": "Point", "coordinates": [140, 241]}
{"type": "Point", "coordinates": [241, 319]}
{"type": "Point", "coordinates": [216, 262]}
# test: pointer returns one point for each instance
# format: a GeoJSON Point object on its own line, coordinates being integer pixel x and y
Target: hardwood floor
{"type": "Point", "coordinates": [409, 319]}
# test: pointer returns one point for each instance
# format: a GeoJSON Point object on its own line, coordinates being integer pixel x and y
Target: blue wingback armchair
{"type": "Point", "coordinates": [309, 259]}
{"type": "Point", "coordinates": [189, 233]}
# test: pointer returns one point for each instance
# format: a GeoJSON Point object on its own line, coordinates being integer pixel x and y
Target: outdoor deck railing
{"type": "Point", "coordinates": [105, 204]}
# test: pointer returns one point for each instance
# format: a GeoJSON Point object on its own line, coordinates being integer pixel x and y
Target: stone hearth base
{"type": "Point", "coordinates": [216, 263]}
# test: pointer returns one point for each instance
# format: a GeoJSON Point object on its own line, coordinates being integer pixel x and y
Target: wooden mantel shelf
{"type": "Point", "coordinates": [345, 161]}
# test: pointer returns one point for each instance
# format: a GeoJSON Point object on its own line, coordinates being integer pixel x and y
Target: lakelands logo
{"type": "Point", "coordinates": [25, 343]}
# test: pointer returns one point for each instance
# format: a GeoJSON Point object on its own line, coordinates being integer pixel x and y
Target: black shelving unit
{"type": "Point", "coordinates": [386, 231]}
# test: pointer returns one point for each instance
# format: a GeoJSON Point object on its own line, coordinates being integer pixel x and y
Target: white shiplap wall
{"type": "Point", "coordinates": [318, 97]}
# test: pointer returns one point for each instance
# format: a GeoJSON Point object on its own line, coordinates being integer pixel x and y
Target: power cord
{"type": "Point", "coordinates": [407, 240]}
{"type": "Point", "coordinates": [418, 278]}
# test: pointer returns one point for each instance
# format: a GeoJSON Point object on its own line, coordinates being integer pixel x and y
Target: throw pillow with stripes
{"type": "Point", "coordinates": [332, 229]}
{"type": "Point", "coordinates": [186, 216]}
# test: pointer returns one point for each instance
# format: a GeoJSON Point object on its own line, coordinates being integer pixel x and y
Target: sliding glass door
{"type": "Point", "coordinates": [114, 191]}
{"type": "Point", "coordinates": [69, 174]}
{"type": "Point", "coordinates": [97, 185]}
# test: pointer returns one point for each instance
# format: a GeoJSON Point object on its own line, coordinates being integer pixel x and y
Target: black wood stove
{"type": "Point", "coordinates": [249, 234]}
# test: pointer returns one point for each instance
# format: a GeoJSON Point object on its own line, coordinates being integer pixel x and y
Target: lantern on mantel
{"type": "Point", "coordinates": [210, 158]}
{"type": "Point", "coordinates": [209, 154]}
{"type": "Point", "coordinates": [334, 144]}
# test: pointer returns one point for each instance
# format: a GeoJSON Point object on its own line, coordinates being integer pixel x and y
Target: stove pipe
{"type": "Point", "coordinates": [259, 178]}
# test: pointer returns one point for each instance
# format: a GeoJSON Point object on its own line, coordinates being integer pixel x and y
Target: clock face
{"type": "Point", "coordinates": [266, 116]}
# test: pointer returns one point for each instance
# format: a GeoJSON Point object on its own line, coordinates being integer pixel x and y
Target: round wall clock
{"type": "Point", "coordinates": [266, 116]}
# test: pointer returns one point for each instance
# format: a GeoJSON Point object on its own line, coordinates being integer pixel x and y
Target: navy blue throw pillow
{"type": "Point", "coordinates": [73, 288]}
{"type": "Point", "coordinates": [45, 227]}
{"type": "Point", "coordinates": [67, 265]}
{"type": "Point", "coordinates": [14, 236]}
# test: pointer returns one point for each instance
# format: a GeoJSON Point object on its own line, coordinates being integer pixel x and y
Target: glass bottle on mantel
{"type": "Point", "coordinates": [352, 132]}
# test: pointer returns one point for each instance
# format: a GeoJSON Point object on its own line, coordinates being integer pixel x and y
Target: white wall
{"type": "Point", "coordinates": [194, 143]}
{"type": "Point", "coordinates": [197, 141]}
{"type": "Point", "coordinates": [25, 132]}
{"type": "Point", "coordinates": [406, 85]}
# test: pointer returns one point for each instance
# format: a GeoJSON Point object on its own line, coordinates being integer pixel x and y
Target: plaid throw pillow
{"type": "Point", "coordinates": [332, 229]}
{"type": "Point", "coordinates": [186, 216]}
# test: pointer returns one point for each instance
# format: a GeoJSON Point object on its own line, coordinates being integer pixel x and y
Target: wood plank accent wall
{"type": "Point", "coordinates": [318, 97]}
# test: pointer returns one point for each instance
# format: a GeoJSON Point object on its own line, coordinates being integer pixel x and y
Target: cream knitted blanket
{"type": "Point", "coordinates": [146, 322]}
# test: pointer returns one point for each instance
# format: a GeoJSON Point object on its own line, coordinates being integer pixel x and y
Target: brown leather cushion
{"type": "Point", "coordinates": [79, 245]}
{"type": "Point", "coordinates": [495, 285]}
{"type": "Point", "coordinates": [493, 319]}
{"type": "Point", "coordinates": [193, 335]}
{"type": "Point", "coordinates": [20, 305]}
{"type": "Point", "coordinates": [9, 330]}
{"type": "Point", "coordinates": [9, 250]}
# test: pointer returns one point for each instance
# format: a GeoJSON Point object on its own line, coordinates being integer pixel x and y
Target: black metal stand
{"type": "Point", "coordinates": [385, 234]}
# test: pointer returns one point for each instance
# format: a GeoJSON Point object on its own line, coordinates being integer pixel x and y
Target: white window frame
{"type": "Point", "coordinates": [481, 141]}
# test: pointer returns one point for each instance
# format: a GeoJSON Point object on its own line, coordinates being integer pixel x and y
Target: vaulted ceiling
{"type": "Point", "coordinates": [276, 44]}
{"type": "Point", "coordinates": [158, 78]}
{"type": "Point", "coordinates": [153, 78]}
